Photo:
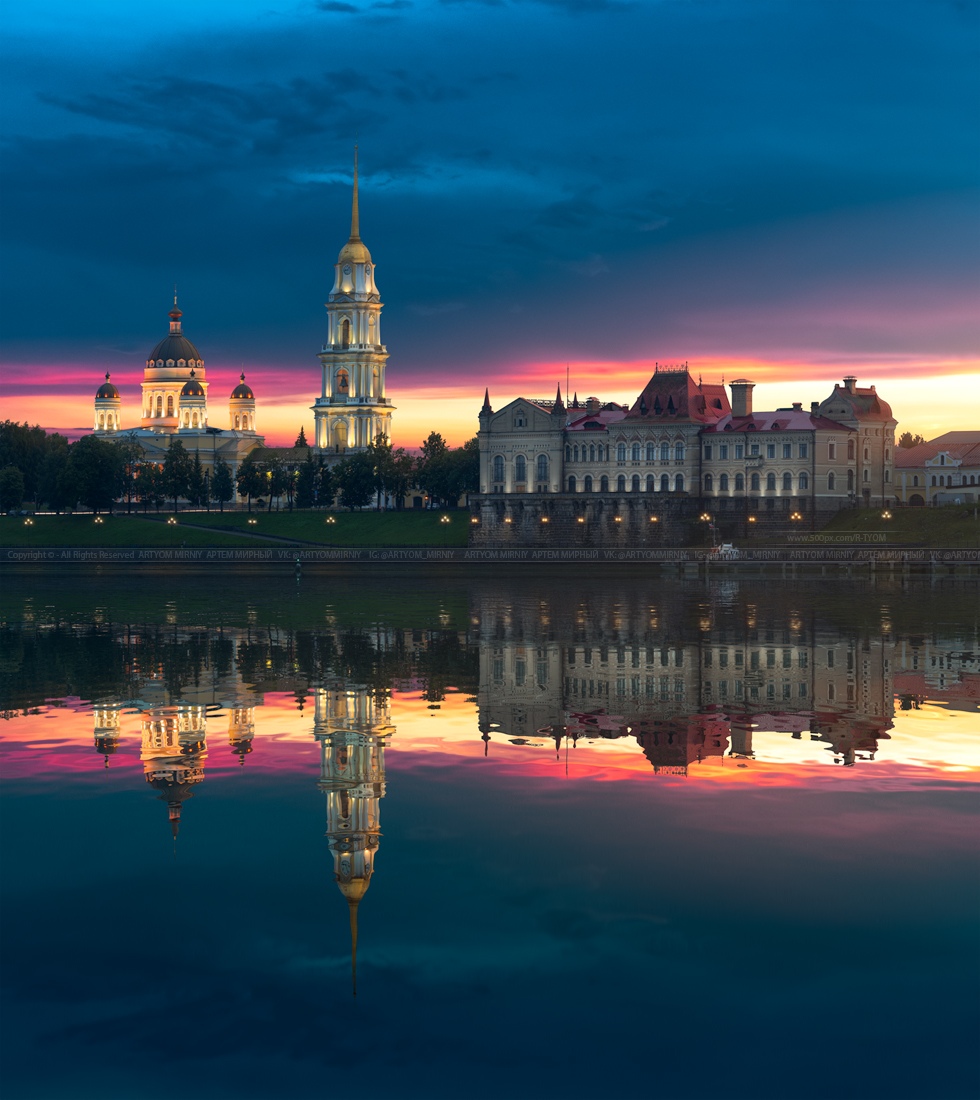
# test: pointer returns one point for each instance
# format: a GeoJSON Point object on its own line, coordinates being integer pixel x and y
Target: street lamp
{"type": "Point", "coordinates": [886, 514]}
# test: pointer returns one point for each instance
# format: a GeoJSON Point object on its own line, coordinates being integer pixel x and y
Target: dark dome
{"type": "Point", "coordinates": [175, 347]}
{"type": "Point", "coordinates": [242, 392]}
{"type": "Point", "coordinates": [193, 388]}
{"type": "Point", "coordinates": [107, 389]}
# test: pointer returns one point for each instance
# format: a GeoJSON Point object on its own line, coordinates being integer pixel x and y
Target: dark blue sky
{"type": "Point", "coordinates": [543, 180]}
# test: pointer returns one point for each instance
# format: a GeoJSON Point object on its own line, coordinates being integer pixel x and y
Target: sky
{"type": "Point", "coordinates": [779, 189]}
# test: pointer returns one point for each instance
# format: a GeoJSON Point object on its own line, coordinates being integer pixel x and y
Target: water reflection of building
{"type": "Point", "coordinates": [241, 729]}
{"type": "Point", "coordinates": [173, 751]}
{"type": "Point", "coordinates": [106, 720]}
{"type": "Point", "coordinates": [685, 693]}
{"type": "Point", "coordinates": [352, 724]}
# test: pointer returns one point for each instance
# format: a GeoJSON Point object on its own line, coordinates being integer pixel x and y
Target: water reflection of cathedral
{"type": "Point", "coordinates": [684, 695]}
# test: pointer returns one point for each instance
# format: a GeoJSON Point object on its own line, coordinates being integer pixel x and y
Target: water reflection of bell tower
{"type": "Point", "coordinates": [173, 752]}
{"type": "Point", "coordinates": [106, 731]}
{"type": "Point", "coordinates": [352, 725]}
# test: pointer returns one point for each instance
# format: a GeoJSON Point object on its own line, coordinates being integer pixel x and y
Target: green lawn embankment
{"type": "Point", "coordinates": [235, 529]}
{"type": "Point", "coordinates": [346, 529]}
{"type": "Point", "coordinates": [953, 526]}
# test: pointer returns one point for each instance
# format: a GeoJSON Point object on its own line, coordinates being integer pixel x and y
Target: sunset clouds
{"type": "Point", "coordinates": [790, 187]}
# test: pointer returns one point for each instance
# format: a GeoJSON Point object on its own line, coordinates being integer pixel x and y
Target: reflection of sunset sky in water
{"type": "Point", "coordinates": [539, 914]}
{"type": "Point", "coordinates": [931, 744]}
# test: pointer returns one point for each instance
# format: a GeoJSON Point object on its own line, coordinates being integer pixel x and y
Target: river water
{"type": "Point", "coordinates": [374, 834]}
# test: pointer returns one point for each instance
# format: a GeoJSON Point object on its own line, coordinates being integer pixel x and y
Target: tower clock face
{"type": "Point", "coordinates": [346, 269]}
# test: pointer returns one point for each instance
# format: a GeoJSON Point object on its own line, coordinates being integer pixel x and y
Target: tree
{"type": "Point", "coordinates": [326, 485]}
{"type": "Point", "coordinates": [301, 438]}
{"type": "Point", "coordinates": [11, 488]}
{"type": "Point", "coordinates": [907, 440]}
{"type": "Point", "coordinates": [280, 480]}
{"type": "Point", "coordinates": [197, 487]}
{"type": "Point", "coordinates": [55, 486]}
{"type": "Point", "coordinates": [222, 485]}
{"type": "Point", "coordinates": [250, 479]}
{"type": "Point", "coordinates": [29, 449]}
{"type": "Point", "coordinates": [149, 485]}
{"type": "Point", "coordinates": [446, 474]}
{"type": "Point", "coordinates": [306, 481]}
{"type": "Point", "coordinates": [355, 478]}
{"type": "Point", "coordinates": [133, 455]}
{"type": "Point", "coordinates": [97, 471]}
{"type": "Point", "coordinates": [177, 471]}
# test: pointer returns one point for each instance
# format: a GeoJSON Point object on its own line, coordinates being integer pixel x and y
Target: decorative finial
{"type": "Point", "coordinates": [355, 221]}
{"type": "Point", "coordinates": [241, 377]}
{"type": "Point", "coordinates": [107, 376]}
{"type": "Point", "coordinates": [175, 293]}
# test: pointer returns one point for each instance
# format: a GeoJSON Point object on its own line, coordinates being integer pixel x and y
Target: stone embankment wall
{"type": "Point", "coordinates": [626, 520]}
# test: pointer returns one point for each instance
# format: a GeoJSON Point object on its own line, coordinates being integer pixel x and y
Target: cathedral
{"type": "Point", "coordinates": [349, 415]}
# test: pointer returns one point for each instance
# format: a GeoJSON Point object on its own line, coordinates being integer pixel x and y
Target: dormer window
{"type": "Point", "coordinates": [520, 421]}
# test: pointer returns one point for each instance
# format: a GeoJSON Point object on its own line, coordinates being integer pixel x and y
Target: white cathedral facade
{"type": "Point", "coordinates": [350, 414]}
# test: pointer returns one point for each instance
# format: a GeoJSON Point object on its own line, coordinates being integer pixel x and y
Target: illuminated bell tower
{"type": "Point", "coordinates": [173, 751]}
{"type": "Point", "coordinates": [352, 725]}
{"type": "Point", "coordinates": [352, 410]}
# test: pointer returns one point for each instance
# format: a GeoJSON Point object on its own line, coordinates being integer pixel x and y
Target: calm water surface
{"type": "Point", "coordinates": [593, 835]}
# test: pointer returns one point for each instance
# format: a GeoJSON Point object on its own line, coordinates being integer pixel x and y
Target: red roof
{"type": "Point", "coordinates": [780, 420]}
{"type": "Point", "coordinates": [673, 395]}
{"type": "Point", "coordinates": [967, 451]}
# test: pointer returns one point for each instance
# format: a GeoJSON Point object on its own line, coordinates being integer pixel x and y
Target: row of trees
{"type": "Point", "coordinates": [49, 471]}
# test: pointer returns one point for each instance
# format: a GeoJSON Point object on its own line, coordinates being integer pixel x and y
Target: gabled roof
{"type": "Point", "coordinates": [673, 395]}
{"type": "Point", "coordinates": [864, 402]}
{"type": "Point", "coordinates": [967, 453]}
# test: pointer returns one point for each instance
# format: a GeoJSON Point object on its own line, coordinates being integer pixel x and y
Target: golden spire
{"type": "Point", "coordinates": [355, 220]}
{"type": "Point", "coordinates": [352, 904]}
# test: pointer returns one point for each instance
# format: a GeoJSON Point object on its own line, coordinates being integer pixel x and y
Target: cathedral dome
{"type": "Point", "coordinates": [192, 388]}
{"type": "Point", "coordinates": [107, 389]}
{"type": "Point", "coordinates": [175, 345]}
{"type": "Point", "coordinates": [242, 392]}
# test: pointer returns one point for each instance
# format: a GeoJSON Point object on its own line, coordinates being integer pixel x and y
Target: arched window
{"type": "Point", "coordinates": [679, 483]}
{"type": "Point", "coordinates": [345, 333]}
{"type": "Point", "coordinates": [651, 483]}
{"type": "Point", "coordinates": [787, 483]}
{"type": "Point", "coordinates": [770, 483]}
{"type": "Point", "coordinates": [588, 483]}
{"type": "Point", "coordinates": [664, 483]}
{"type": "Point", "coordinates": [237, 421]}
{"type": "Point", "coordinates": [915, 480]}
{"type": "Point", "coordinates": [101, 420]}
{"type": "Point", "coordinates": [159, 405]}
{"type": "Point", "coordinates": [498, 467]}
{"type": "Point", "coordinates": [620, 452]}
{"type": "Point", "coordinates": [664, 452]}
{"type": "Point", "coordinates": [850, 481]}
{"type": "Point", "coordinates": [708, 483]}
{"type": "Point", "coordinates": [651, 452]}
{"type": "Point", "coordinates": [170, 404]}
{"type": "Point", "coordinates": [635, 483]}
{"type": "Point", "coordinates": [572, 484]}
{"type": "Point", "coordinates": [723, 483]}
{"type": "Point", "coordinates": [831, 480]}
{"type": "Point", "coordinates": [867, 476]}
{"type": "Point", "coordinates": [194, 419]}
{"type": "Point", "coordinates": [592, 452]}
{"type": "Point", "coordinates": [635, 452]}
{"type": "Point", "coordinates": [739, 483]}
{"type": "Point", "coordinates": [866, 454]}
{"type": "Point", "coordinates": [621, 483]}
{"type": "Point", "coordinates": [575, 454]}
{"type": "Point", "coordinates": [520, 468]}
{"type": "Point", "coordinates": [850, 449]}
{"type": "Point", "coordinates": [542, 467]}
{"type": "Point", "coordinates": [678, 452]}
{"type": "Point", "coordinates": [604, 484]}
{"type": "Point", "coordinates": [804, 481]}
{"type": "Point", "coordinates": [568, 453]}
{"type": "Point", "coordinates": [756, 483]}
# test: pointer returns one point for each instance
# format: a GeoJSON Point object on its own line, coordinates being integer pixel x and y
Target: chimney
{"type": "Point", "coordinates": [742, 397]}
{"type": "Point", "coordinates": [850, 383]}
{"type": "Point", "coordinates": [814, 408]}
{"type": "Point", "coordinates": [798, 406]}
{"type": "Point", "coordinates": [593, 404]}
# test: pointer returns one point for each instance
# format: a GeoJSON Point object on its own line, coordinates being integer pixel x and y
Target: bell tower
{"type": "Point", "coordinates": [352, 410]}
